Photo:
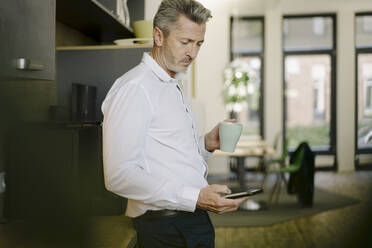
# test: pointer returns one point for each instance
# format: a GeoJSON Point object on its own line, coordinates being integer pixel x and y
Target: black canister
{"type": "Point", "coordinates": [83, 104]}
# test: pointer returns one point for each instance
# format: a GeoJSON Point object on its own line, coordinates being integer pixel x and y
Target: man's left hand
{"type": "Point", "coordinates": [212, 139]}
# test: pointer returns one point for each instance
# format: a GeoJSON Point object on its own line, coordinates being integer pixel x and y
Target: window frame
{"type": "Point", "coordinates": [261, 56]}
{"type": "Point", "coordinates": [359, 51]}
{"type": "Point", "coordinates": [333, 74]}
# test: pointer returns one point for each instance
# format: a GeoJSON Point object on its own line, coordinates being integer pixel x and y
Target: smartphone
{"type": "Point", "coordinates": [249, 192]}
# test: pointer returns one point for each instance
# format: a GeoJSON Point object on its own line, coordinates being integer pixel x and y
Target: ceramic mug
{"type": "Point", "coordinates": [229, 135]}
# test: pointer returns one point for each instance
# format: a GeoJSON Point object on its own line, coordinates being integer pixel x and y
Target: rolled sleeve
{"type": "Point", "coordinates": [204, 152]}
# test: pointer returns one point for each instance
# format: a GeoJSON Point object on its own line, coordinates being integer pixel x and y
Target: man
{"type": "Point", "coordinates": [152, 153]}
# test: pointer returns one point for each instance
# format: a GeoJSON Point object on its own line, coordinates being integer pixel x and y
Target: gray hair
{"type": "Point", "coordinates": [170, 10]}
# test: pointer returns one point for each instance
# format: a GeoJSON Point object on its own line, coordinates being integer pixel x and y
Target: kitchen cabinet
{"type": "Point", "coordinates": [55, 170]}
{"type": "Point", "coordinates": [92, 18]}
{"type": "Point", "coordinates": [27, 31]}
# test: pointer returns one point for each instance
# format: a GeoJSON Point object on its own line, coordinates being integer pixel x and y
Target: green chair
{"type": "Point", "coordinates": [281, 160]}
{"type": "Point", "coordinates": [291, 168]}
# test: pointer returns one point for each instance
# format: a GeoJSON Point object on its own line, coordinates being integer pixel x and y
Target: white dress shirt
{"type": "Point", "coordinates": [152, 154]}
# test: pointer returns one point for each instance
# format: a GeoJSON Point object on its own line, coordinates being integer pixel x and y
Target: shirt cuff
{"type": "Point", "coordinates": [204, 152]}
{"type": "Point", "coordinates": [189, 199]}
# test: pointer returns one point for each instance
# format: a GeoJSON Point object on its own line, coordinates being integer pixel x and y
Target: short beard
{"type": "Point", "coordinates": [173, 68]}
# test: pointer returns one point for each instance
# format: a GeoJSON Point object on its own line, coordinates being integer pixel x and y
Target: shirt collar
{"type": "Point", "coordinates": [159, 71]}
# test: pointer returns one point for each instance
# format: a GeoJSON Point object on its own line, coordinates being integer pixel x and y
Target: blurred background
{"type": "Point", "coordinates": [290, 71]}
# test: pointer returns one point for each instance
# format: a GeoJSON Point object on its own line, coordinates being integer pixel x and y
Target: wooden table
{"type": "Point", "coordinates": [247, 148]}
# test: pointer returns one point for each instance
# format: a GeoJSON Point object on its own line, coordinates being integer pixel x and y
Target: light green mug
{"type": "Point", "coordinates": [229, 135]}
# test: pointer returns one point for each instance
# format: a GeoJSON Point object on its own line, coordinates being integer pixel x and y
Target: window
{"type": "Point", "coordinates": [363, 116]}
{"type": "Point", "coordinates": [308, 33]}
{"type": "Point", "coordinates": [318, 26]}
{"type": "Point", "coordinates": [247, 46]}
{"type": "Point", "coordinates": [319, 79]}
{"type": "Point", "coordinates": [309, 48]}
{"type": "Point", "coordinates": [368, 98]}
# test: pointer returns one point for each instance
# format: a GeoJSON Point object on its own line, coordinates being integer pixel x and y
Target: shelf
{"type": "Point", "coordinates": [93, 19]}
{"type": "Point", "coordinates": [102, 47]}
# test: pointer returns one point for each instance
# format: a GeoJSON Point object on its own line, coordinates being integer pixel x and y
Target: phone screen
{"type": "Point", "coordinates": [249, 192]}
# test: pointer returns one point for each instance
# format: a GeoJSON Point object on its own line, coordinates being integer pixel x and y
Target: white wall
{"type": "Point", "coordinates": [214, 56]}
{"type": "Point", "coordinates": [151, 6]}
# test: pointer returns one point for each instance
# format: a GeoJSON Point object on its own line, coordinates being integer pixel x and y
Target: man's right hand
{"type": "Point", "coordinates": [210, 199]}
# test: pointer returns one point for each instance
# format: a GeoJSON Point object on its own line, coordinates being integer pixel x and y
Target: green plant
{"type": "Point", "coordinates": [239, 88]}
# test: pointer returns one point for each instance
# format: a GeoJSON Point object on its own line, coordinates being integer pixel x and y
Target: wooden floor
{"type": "Point", "coordinates": [346, 227]}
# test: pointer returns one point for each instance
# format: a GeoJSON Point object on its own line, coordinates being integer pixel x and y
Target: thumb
{"type": "Point", "coordinates": [221, 189]}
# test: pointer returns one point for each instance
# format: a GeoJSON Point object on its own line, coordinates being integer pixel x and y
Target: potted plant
{"type": "Point", "coordinates": [239, 87]}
